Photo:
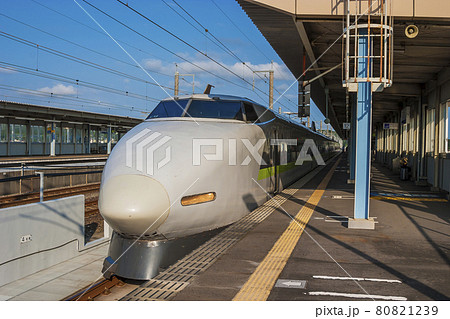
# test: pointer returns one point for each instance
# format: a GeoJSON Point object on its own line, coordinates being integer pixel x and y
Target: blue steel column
{"type": "Point", "coordinates": [363, 130]}
{"type": "Point", "coordinates": [353, 144]}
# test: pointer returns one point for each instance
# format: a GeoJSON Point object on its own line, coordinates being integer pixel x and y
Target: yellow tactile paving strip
{"type": "Point", "coordinates": [261, 282]}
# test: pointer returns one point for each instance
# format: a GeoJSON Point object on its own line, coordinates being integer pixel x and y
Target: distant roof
{"type": "Point", "coordinates": [25, 111]}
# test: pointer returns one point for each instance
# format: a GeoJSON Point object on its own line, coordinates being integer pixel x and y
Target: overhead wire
{"type": "Point", "coordinates": [68, 97]}
{"type": "Point", "coordinates": [62, 54]}
{"type": "Point", "coordinates": [184, 70]}
{"type": "Point", "coordinates": [62, 78]}
{"type": "Point", "coordinates": [81, 46]}
{"type": "Point", "coordinates": [324, 52]}
{"type": "Point", "coordinates": [181, 16]}
{"type": "Point", "coordinates": [146, 98]}
{"type": "Point", "coordinates": [77, 59]}
{"type": "Point", "coordinates": [96, 30]}
{"type": "Point", "coordinates": [60, 103]}
{"type": "Point", "coordinates": [186, 43]}
{"type": "Point", "coordinates": [222, 45]}
{"type": "Point", "coordinates": [225, 48]}
{"type": "Point", "coordinates": [162, 47]}
{"type": "Point", "coordinates": [250, 40]}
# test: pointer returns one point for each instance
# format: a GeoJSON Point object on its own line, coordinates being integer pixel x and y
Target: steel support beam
{"type": "Point", "coordinates": [309, 51]}
{"type": "Point", "coordinates": [363, 138]}
{"type": "Point", "coordinates": [352, 154]}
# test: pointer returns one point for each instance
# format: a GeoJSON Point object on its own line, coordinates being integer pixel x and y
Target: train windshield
{"type": "Point", "coordinates": [169, 109]}
{"type": "Point", "coordinates": [215, 109]}
{"type": "Point", "coordinates": [198, 108]}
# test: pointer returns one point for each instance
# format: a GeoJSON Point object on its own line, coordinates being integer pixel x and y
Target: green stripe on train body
{"type": "Point", "coordinates": [270, 171]}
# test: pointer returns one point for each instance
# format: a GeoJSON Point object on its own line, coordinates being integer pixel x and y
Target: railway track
{"type": "Point", "coordinates": [22, 199]}
{"type": "Point", "coordinates": [91, 208]}
{"type": "Point", "coordinates": [101, 287]}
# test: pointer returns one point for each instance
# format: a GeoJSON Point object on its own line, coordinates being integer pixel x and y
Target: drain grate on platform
{"type": "Point", "coordinates": [178, 276]}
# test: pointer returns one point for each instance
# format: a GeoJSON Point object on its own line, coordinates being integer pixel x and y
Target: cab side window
{"type": "Point", "coordinates": [250, 112]}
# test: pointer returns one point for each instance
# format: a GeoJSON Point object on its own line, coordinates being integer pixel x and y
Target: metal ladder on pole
{"type": "Point", "coordinates": [372, 19]}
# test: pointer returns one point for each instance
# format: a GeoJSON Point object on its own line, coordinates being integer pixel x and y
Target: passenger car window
{"type": "Point", "coordinates": [174, 108]}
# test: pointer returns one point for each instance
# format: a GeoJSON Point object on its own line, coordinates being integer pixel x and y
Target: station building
{"type": "Point", "coordinates": [27, 129]}
{"type": "Point", "coordinates": [404, 120]}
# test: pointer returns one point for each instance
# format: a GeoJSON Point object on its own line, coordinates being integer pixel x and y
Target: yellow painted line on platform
{"type": "Point", "coordinates": [261, 282]}
{"type": "Point", "coordinates": [416, 199]}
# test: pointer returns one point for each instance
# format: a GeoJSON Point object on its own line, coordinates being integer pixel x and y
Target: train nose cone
{"type": "Point", "coordinates": [134, 204]}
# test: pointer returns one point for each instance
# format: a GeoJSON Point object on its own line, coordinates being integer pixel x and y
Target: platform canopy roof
{"type": "Point", "coordinates": [31, 112]}
{"type": "Point", "coordinates": [296, 26]}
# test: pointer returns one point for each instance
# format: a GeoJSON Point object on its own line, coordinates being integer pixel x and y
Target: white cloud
{"type": "Point", "coordinates": [59, 89]}
{"type": "Point", "coordinates": [7, 71]}
{"type": "Point", "coordinates": [281, 72]}
{"type": "Point", "coordinates": [283, 86]}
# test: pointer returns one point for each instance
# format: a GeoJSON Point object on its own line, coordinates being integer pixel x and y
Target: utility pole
{"type": "Point", "coordinates": [177, 84]}
{"type": "Point", "coordinates": [271, 89]}
{"type": "Point", "coordinates": [270, 85]}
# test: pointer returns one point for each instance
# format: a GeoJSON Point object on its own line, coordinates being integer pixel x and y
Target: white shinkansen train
{"type": "Point", "coordinates": [197, 163]}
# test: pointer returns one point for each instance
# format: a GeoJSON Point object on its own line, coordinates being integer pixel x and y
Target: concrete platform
{"type": "Point", "coordinates": [406, 256]}
{"type": "Point", "coordinates": [39, 159]}
{"type": "Point", "coordinates": [59, 281]}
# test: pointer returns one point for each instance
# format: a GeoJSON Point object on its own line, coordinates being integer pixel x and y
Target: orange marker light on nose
{"type": "Point", "coordinates": [198, 199]}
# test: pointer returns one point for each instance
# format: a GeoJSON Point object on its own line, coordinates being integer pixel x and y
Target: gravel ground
{"type": "Point", "coordinates": [93, 222]}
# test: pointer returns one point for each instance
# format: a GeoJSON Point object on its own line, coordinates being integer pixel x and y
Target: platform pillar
{"type": "Point", "coordinates": [352, 155]}
{"type": "Point", "coordinates": [88, 141]}
{"type": "Point", "coordinates": [53, 140]}
{"type": "Point", "coordinates": [363, 137]}
{"type": "Point", "coordinates": [108, 150]}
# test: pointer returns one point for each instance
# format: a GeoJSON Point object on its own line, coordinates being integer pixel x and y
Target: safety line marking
{"type": "Point", "coordinates": [358, 296]}
{"type": "Point", "coordinates": [261, 282]}
{"type": "Point", "coordinates": [358, 279]}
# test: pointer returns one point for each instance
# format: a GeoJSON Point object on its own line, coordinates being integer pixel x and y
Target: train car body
{"type": "Point", "coordinates": [196, 164]}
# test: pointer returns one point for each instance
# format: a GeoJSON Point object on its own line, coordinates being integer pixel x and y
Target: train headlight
{"type": "Point", "coordinates": [198, 199]}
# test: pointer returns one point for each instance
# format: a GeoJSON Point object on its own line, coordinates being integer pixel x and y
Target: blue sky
{"type": "Point", "coordinates": [54, 54]}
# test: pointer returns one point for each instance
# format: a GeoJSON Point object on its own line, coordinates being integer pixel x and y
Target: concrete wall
{"type": "Point", "coordinates": [17, 149]}
{"type": "Point", "coordinates": [37, 149]}
{"type": "Point", "coordinates": [36, 236]}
